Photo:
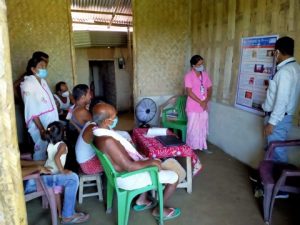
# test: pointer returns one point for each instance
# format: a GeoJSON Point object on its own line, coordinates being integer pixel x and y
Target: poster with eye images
{"type": "Point", "coordinates": [257, 66]}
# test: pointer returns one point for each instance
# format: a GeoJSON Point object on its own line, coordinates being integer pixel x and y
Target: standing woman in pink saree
{"type": "Point", "coordinates": [199, 89]}
{"type": "Point", "coordinates": [40, 108]}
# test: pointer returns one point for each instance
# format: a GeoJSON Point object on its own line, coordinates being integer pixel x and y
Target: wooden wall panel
{"type": "Point", "coordinates": [164, 42]}
{"type": "Point", "coordinates": [217, 35]}
{"type": "Point", "coordinates": [36, 25]}
{"type": "Point", "coordinates": [161, 46]}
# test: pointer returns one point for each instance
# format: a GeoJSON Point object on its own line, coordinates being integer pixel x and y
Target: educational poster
{"type": "Point", "coordinates": [257, 65]}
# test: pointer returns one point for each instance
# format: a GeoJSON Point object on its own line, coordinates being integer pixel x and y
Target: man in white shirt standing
{"type": "Point", "coordinates": [282, 96]}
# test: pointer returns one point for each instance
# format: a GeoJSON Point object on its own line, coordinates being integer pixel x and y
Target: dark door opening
{"type": "Point", "coordinates": [104, 80]}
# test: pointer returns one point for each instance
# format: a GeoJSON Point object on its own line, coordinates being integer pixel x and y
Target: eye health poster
{"type": "Point", "coordinates": [257, 66]}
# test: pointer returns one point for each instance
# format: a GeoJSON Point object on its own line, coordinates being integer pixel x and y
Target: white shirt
{"type": "Point", "coordinates": [52, 151]}
{"type": "Point", "coordinates": [283, 92]}
{"type": "Point", "coordinates": [83, 150]}
{"type": "Point", "coordinates": [62, 105]}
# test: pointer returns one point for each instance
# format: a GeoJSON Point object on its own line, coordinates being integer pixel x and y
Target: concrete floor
{"type": "Point", "coordinates": [222, 195]}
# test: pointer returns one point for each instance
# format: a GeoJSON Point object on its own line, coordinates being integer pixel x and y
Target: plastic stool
{"type": "Point", "coordinates": [86, 180]}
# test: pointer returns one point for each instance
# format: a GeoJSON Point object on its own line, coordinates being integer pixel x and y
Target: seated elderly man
{"type": "Point", "coordinates": [124, 157]}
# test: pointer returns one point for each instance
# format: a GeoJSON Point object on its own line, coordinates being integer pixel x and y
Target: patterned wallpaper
{"type": "Point", "coordinates": [41, 25]}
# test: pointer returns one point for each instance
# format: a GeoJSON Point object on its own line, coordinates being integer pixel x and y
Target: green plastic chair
{"type": "Point", "coordinates": [125, 197]}
{"type": "Point", "coordinates": [175, 117]}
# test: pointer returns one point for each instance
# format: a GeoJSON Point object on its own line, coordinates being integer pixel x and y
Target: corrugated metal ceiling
{"type": "Point", "coordinates": [86, 39]}
{"type": "Point", "coordinates": [102, 12]}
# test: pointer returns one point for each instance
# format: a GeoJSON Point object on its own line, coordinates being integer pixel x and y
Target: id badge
{"type": "Point", "coordinates": [202, 89]}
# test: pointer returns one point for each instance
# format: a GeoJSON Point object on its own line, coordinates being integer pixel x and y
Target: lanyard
{"type": "Point", "coordinates": [202, 89]}
{"type": "Point", "coordinates": [272, 76]}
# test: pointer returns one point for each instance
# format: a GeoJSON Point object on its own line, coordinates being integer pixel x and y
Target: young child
{"type": "Point", "coordinates": [57, 151]}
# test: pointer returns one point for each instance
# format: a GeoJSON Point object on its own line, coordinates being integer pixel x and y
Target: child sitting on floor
{"type": "Point", "coordinates": [57, 151]}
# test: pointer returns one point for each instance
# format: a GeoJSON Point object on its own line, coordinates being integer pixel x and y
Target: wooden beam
{"type": "Point", "coordinates": [99, 12]}
{"type": "Point", "coordinates": [115, 12]}
{"type": "Point", "coordinates": [101, 23]}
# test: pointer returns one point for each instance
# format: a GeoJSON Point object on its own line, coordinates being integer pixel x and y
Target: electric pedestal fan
{"type": "Point", "coordinates": [145, 111]}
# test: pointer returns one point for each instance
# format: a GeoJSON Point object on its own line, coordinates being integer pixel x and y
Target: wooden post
{"type": "Point", "coordinates": [12, 206]}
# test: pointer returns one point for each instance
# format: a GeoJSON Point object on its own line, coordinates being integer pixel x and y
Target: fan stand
{"type": "Point", "coordinates": [145, 124]}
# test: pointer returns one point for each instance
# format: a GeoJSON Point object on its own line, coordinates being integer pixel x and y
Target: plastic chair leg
{"type": "Point", "coordinates": [183, 136]}
{"type": "Point", "coordinates": [161, 206]}
{"type": "Point", "coordinates": [109, 200]}
{"type": "Point", "coordinates": [52, 203]}
{"type": "Point", "coordinates": [127, 212]}
{"type": "Point", "coordinates": [122, 208]}
{"type": "Point", "coordinates": [80, 194]}
{"type": "Point", "coordinates": [275, 192]}
{"type": "Point", "coordinates": [267, 203]}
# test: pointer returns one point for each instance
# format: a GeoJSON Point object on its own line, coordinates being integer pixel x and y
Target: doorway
{"type": "Point", "coordinates": [104, 80]}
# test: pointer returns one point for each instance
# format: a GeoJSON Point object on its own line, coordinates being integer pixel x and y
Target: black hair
{"type": "Point", "coordinates": [195, 59]}
{"type": "Point", "coordinates": [32, 63]}
{"type": "Point", "coordinates": [39, 54]}
{"type": "Point", "coordinates": [58, 85]}
{"type": "Point", "coordinates": [79, 91]}
{"type": "Point", "coordinates": [285, 45]}
{"type": "Point", "coordinates": [55, 132]}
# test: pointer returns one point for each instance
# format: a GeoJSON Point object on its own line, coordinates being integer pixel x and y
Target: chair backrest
{"type": "Point", "coordinates": [125, 197]}
{"type": "Point", "coordinates": [109, 170]}
{"type": "Point", "coordinates": [112, 174]}
{"type": "Point", "coordinates": [180, 107]}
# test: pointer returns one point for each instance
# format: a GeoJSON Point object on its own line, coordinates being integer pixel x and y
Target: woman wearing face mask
{"type": "Point", "coordinates": [40, 108]}
{"type": "Point", "coordinates": [199, 89]}
{"type": "Point", "coordinates": [63, 99]}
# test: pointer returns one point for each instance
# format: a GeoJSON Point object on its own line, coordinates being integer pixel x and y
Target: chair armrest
{"type": "Point", "coordinates": [273, 145]}
{"type": "Point", "coordinates": [26, 156]}
{"type": "Point", "coordinates": [165, 111]}
{"type": "Point", "coordinates": [146, 169]}
{"type": "Point", "coordinates": [171, 100]}
{"type": "Point", "coordinates": [291, 173]}
{"type": "Point", "coordinates": [31, 176]}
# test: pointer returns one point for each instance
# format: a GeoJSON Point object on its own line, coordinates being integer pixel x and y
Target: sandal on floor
{"type": "Point", "coordinates": [143, 207]}
{"type": "Point", "coordinates": [81, 218]}
{"type": "Point", "coordinates": [175, 212]}
{"type": "Point", "coordinates": [197, 169]}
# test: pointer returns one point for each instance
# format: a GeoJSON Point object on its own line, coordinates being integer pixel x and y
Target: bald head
{"type": "Point", "coordinates": [102, 112]}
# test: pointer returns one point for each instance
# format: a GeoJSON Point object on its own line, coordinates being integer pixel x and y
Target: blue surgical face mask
{"type": "Point", "coordinates": [42, 73]}
{"type": "Point", "coordinates": [199, 68]}
{"type": "Point", "coordinates": [114, 123]}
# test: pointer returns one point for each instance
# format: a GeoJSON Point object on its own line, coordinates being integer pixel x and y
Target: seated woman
{"type": "Point", "coordinates": [63, 99]}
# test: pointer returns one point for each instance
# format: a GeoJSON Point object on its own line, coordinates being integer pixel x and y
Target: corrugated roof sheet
{"type": "Point", "coordinates": [107, 12]}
